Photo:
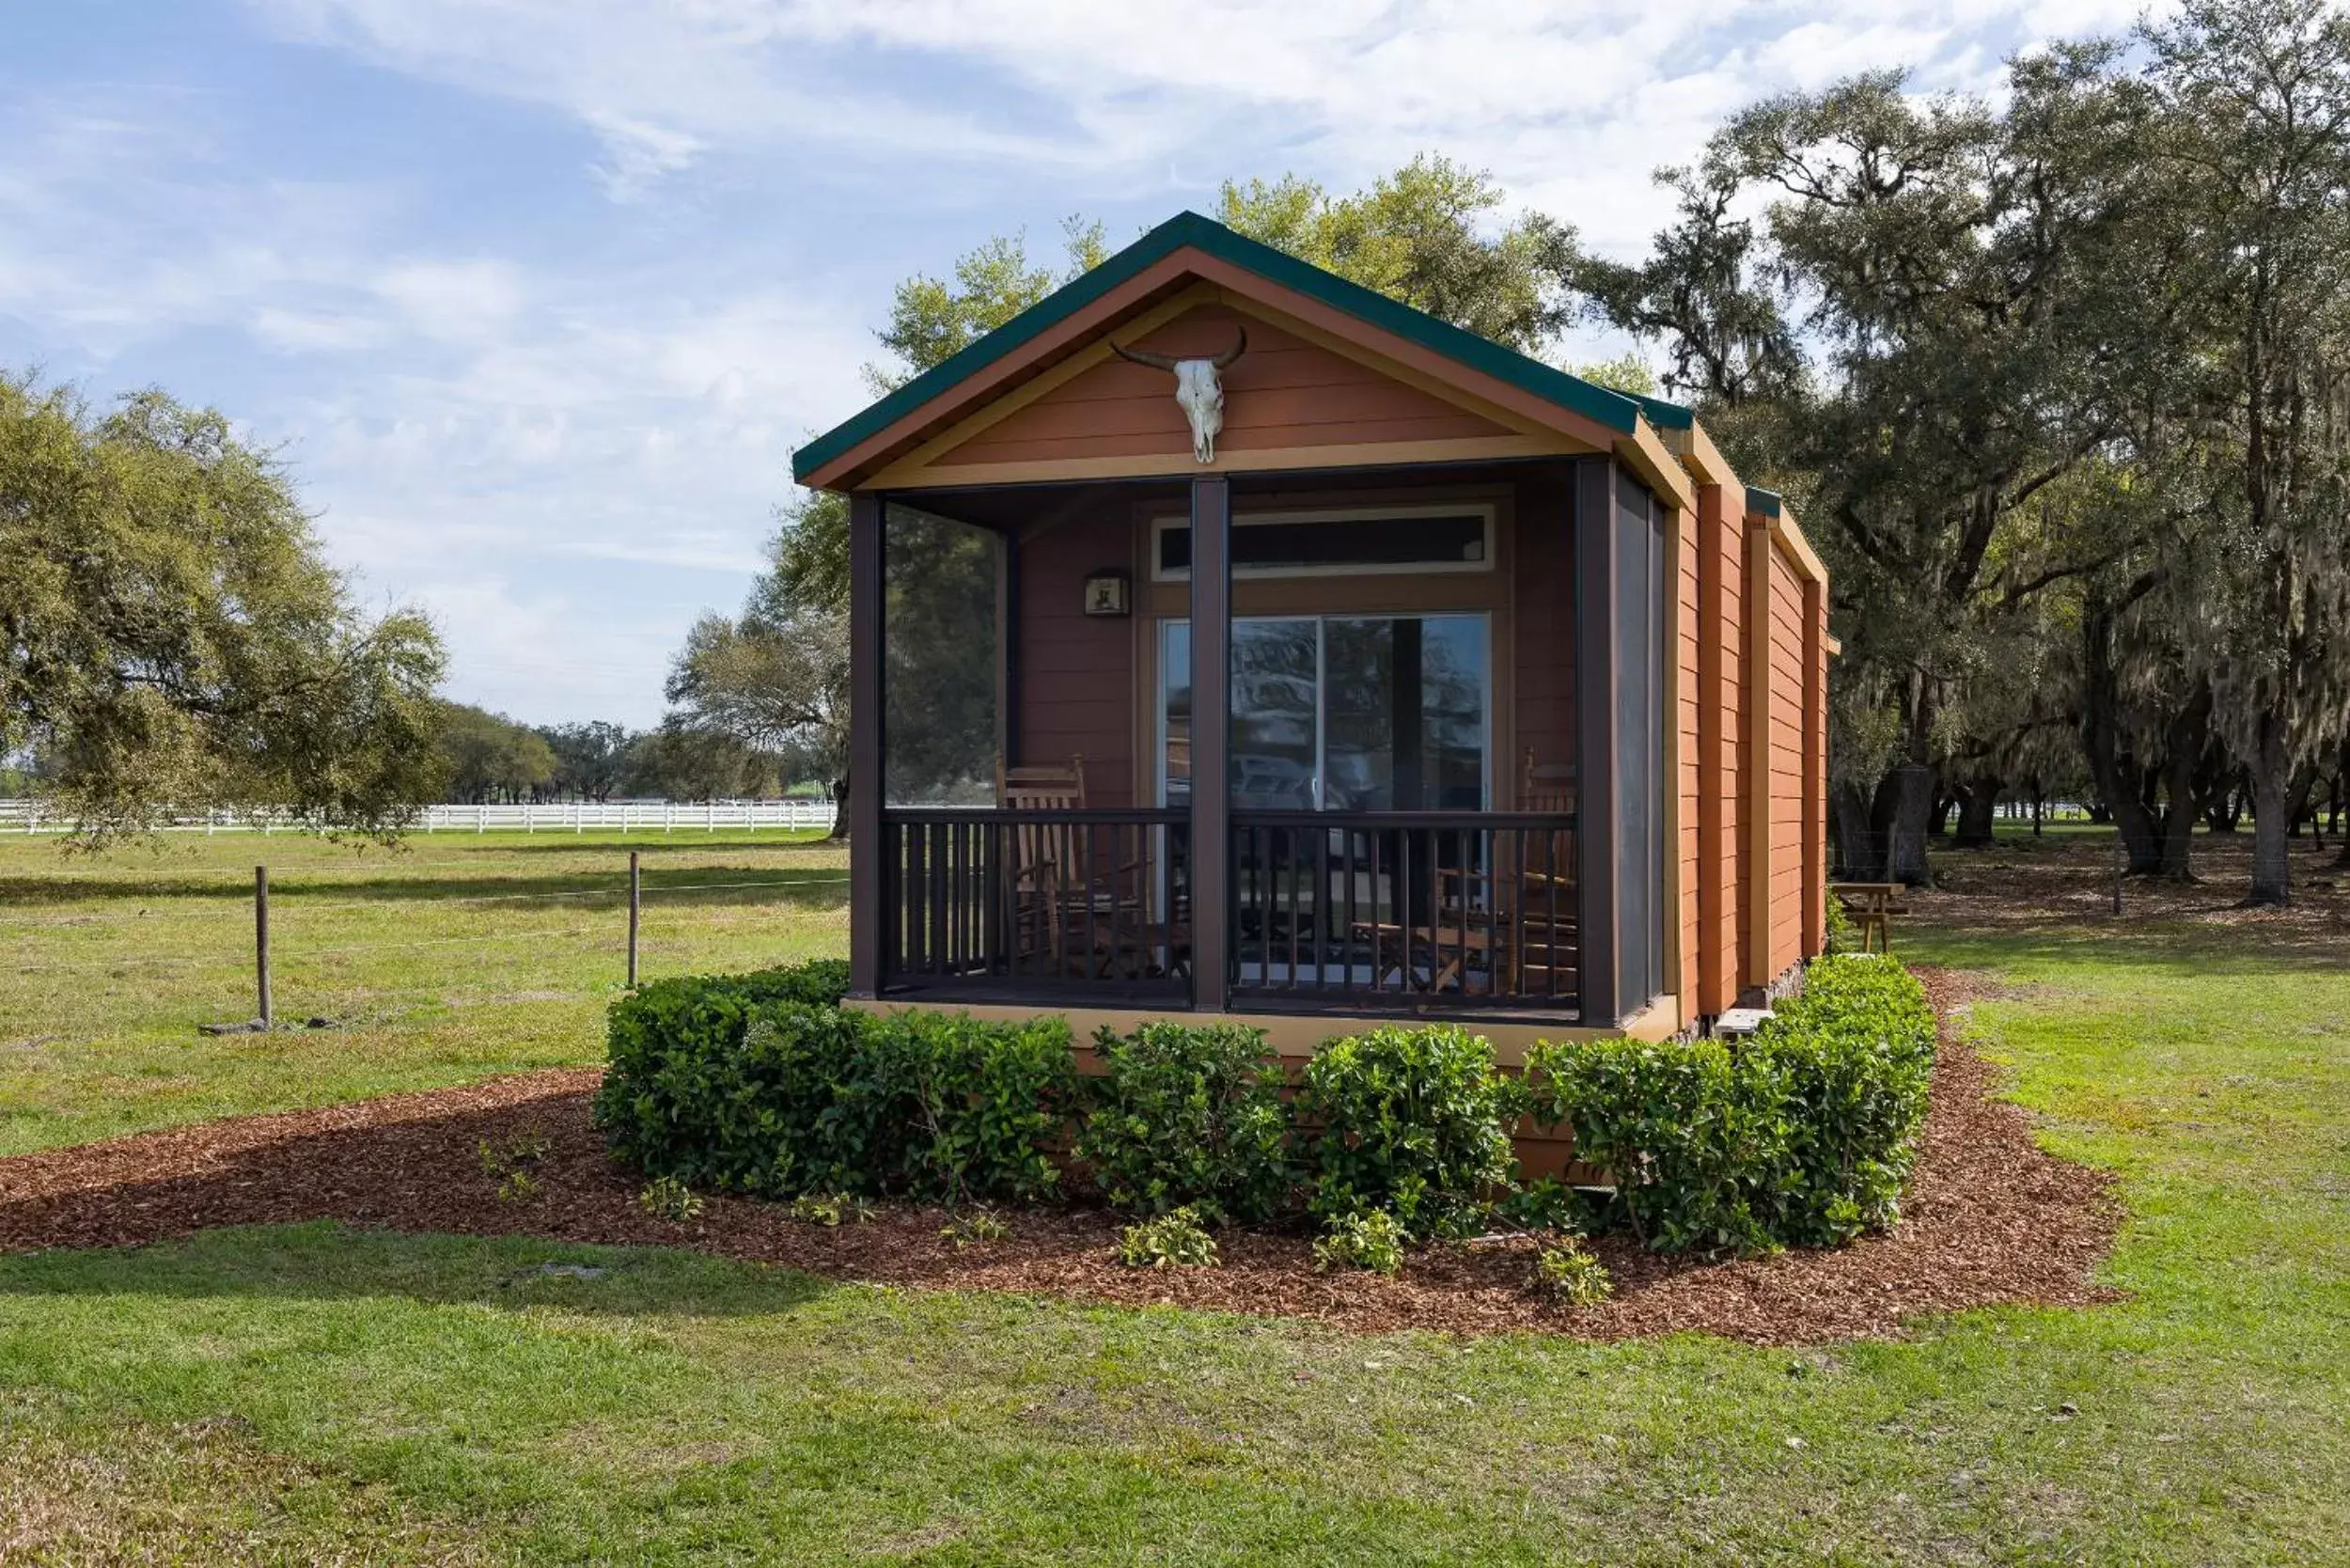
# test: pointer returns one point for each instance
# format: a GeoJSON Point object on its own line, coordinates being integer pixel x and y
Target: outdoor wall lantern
{"type": "Point", "coordinates": [1106, 592]}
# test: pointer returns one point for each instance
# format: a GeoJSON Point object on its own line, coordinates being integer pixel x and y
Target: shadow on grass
{"type": "Point", "coordinates": [2051, 902]}
{"type": "Point", "coordinates": [332, 1260]}
{"type": "Point", "coordinates": [205, 1210]}
{"type": "Point", "coordinates": [2170, 947]}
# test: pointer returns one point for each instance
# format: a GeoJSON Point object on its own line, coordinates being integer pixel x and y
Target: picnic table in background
{"type": "Point", "coordinates": [1872, 906]}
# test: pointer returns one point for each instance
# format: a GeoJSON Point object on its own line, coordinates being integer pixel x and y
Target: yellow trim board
{"type": "Point", "coordinates": [1705, 460]}
{"type": "Point", "coordinates": [1373, 454]}
{"type": "Point", "coordinates": [1295, 1036]}
{"type": "Point", "coordinates": [1791, 539]}
{"type": "Point", "coordinates": [988, 414]}
{"type": "Point", "coordinates": [1646, 452]}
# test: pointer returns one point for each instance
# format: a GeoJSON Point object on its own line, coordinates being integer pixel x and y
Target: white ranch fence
{"type": "Point", "coordinates": [554, 816]}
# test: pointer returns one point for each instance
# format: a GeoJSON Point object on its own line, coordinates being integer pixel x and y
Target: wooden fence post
{"type": "Point", "coordinates": [260, 940]}
{"type": "Point", "coordinates": [636, 899]}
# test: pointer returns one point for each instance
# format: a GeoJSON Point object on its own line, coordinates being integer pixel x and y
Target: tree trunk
{"type": "Point", "coordinates": [2302, 806]}
{"type": "Point", "coordinates": [840, 809]}
{"type": "Point", "coordinates": [2113, 771]}
{"type": "Point", "coordinates": [1977, 812]}
{"type": "Point", "coordinates": [2184, 741]}
{"type": "Point", "coordinates": [1857, 857]}
{"type": "Point", "coordinates": [2341, 795]}
{"type": "Point", "coordinates": [2272, 809]}
{"type": "Point", "coordinates": [1913, 805]}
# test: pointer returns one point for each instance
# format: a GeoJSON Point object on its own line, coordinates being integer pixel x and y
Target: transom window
{"type": "Point", "coordinates": [1353, 543]}
{"type": "Point", "coordinates": [1341, 712]}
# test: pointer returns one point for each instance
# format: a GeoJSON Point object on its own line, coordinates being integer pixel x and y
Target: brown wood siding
{"type": "Point", "coordinates": [1283, 393]}
{"type": "Point", "coordinates": [1736, 812]}
{"type": "Point", "coordinates": [1076, 674]}
{"type": "Point", "coordinates": [1543, 582]}
{"type": "Point", "coordinates": [1815, 770]}
{"type": "Point", "coordinates": [1787, 762]}
{"type": "Point", "coordinates": [1720, 563]}
{"type": "Point", "coordinates": [1690, 781]}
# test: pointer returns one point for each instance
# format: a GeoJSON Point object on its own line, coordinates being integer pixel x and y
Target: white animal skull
{"type": "Point", "coordinates": [1197, 389]}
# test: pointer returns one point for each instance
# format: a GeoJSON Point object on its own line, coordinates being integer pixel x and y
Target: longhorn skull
{"type": "Point", "coordinates": [1195, 388]}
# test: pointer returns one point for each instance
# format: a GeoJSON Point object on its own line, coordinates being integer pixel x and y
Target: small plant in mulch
{"type": "Point", "coordinates": [1176, 1239]}
{"type": "Point", "coordinates": [667, 1197]}
{"type": "Point", "coordinates": [830, 1210]}
{"type": "Point", "coordinates": [975, 1226]}
{"type": "Point", "coordinates": [1368, 1239]}
{"type": "Point", "coordinates": [1567, 1275]}
{"type": "Point", "coordinates": [519, 1187]}
{"type": "Point", "coordinates": [511, 1162]}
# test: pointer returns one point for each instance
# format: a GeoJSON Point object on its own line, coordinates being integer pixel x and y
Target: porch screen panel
{"type": "Point", "coordinates": [1405, 702]}
{"type": "Point", "coordinates": [1343, 713]}
{"type": "Point", "coordinates": [1641, 780]}
{"type": "Point", "coordinates": [939, 694]}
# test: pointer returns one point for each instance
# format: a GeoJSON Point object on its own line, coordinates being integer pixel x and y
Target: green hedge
{"type": "Point", "coordinates": [1413, 1123]}
{"type": "Point", "coordinates": [1853, 1054]}
{"type": "Point", "coordinates": [1802, 1136]}
{"type": "Point", "coordinates": [1188, 1116]}
{"type": "Point", "coordinates": [760, 1084]}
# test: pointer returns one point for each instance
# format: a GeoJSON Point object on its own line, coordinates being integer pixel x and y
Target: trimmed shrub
{"type": "Point", "coordinates": [1802, 1136]}
{"type": "Point", "coordinates": [757, 1084]}
{"type": "Point", "coordinates": [818, 982]}
{"type": "Point", "coordinates": [1692, 1135]}
{"type": "Point", "coordinates": [1372, 1240]}
{"type": "Point", "coordinates": [1854, 1053]}
{"type": "Point", "coordinates": [1412, 1123]}
{"type": "Point", "coordinates": [1185, 1116]}
{"type": "Point", "coordinates": [1175, 1239]}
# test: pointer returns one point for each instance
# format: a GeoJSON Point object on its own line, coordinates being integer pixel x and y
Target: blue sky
{"type": "Point", "coordinates": [535, 296]}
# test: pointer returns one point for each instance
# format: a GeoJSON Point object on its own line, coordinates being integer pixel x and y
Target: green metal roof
{"type": "Point", "coordinates": [1763, 502]}
{"type": "Point", "coordinates": [1615, 409]}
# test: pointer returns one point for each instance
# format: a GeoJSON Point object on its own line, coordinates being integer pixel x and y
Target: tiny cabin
{"type": "Point", "coordinates": [1229, 639]}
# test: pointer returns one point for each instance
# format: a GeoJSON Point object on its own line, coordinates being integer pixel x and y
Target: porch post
{"type": "Point", "coordinates": [1596, 739]}
{"type": "Point", "coordinates": [1210, 737]}
{"type": "Point", "coordinates": [866, 611]}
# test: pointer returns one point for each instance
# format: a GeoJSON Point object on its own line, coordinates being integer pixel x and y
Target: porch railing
{"type": "Point", "coordinates": [1407, 911]}
{"type": "Point", "coordinates": [1093, 905]}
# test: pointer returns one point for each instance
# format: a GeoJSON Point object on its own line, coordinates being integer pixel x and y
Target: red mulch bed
{"type": "Point", "coordinates": [1990, 1218]}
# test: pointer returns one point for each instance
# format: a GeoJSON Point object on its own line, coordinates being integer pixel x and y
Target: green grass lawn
{"type": "Point", "coordinates": [304, 1393]}
{"type": "Point", "coordinates": [452, 959]}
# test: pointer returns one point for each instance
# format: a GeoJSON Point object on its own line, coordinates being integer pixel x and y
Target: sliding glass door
{"type": "Point", "coordinates": [1342, 713]}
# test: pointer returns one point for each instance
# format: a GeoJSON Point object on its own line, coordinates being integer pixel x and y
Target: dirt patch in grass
{"type": "Point", "coordinates": [1990, 1217]}
{"type": "Point", "coordinates": [201, 1492]}
{"type": "Point", "coordinates": [2064, 883]}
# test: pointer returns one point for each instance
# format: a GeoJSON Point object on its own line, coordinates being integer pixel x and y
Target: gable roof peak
{"type": "Point", "coordinates": [1189, 229]}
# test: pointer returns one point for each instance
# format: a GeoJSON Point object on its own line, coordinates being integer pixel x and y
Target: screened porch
{"type": "Point", "coordinates": [1397, 822]}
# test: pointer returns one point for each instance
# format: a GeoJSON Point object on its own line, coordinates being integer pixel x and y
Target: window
{"type": "Point", "coordinates": [1341, 712]}
{"type": "Point", "coordinates": [1360, 543]}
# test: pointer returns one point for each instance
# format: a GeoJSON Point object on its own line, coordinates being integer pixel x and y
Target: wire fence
{"type": "Point", "coordinates": [797, 814]}
{"type": "Point", "coordinates": [326, 951]}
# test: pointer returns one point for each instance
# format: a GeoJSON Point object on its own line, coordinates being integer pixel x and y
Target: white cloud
{"type": "Point", "coordinates": [1099, 96]}
{"type": "Point", "coordinates": [636, 154]}
{"type": "Point", "coordinates": [460, 301]}
{"type": "Point", "coordinates": [565, 441]}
